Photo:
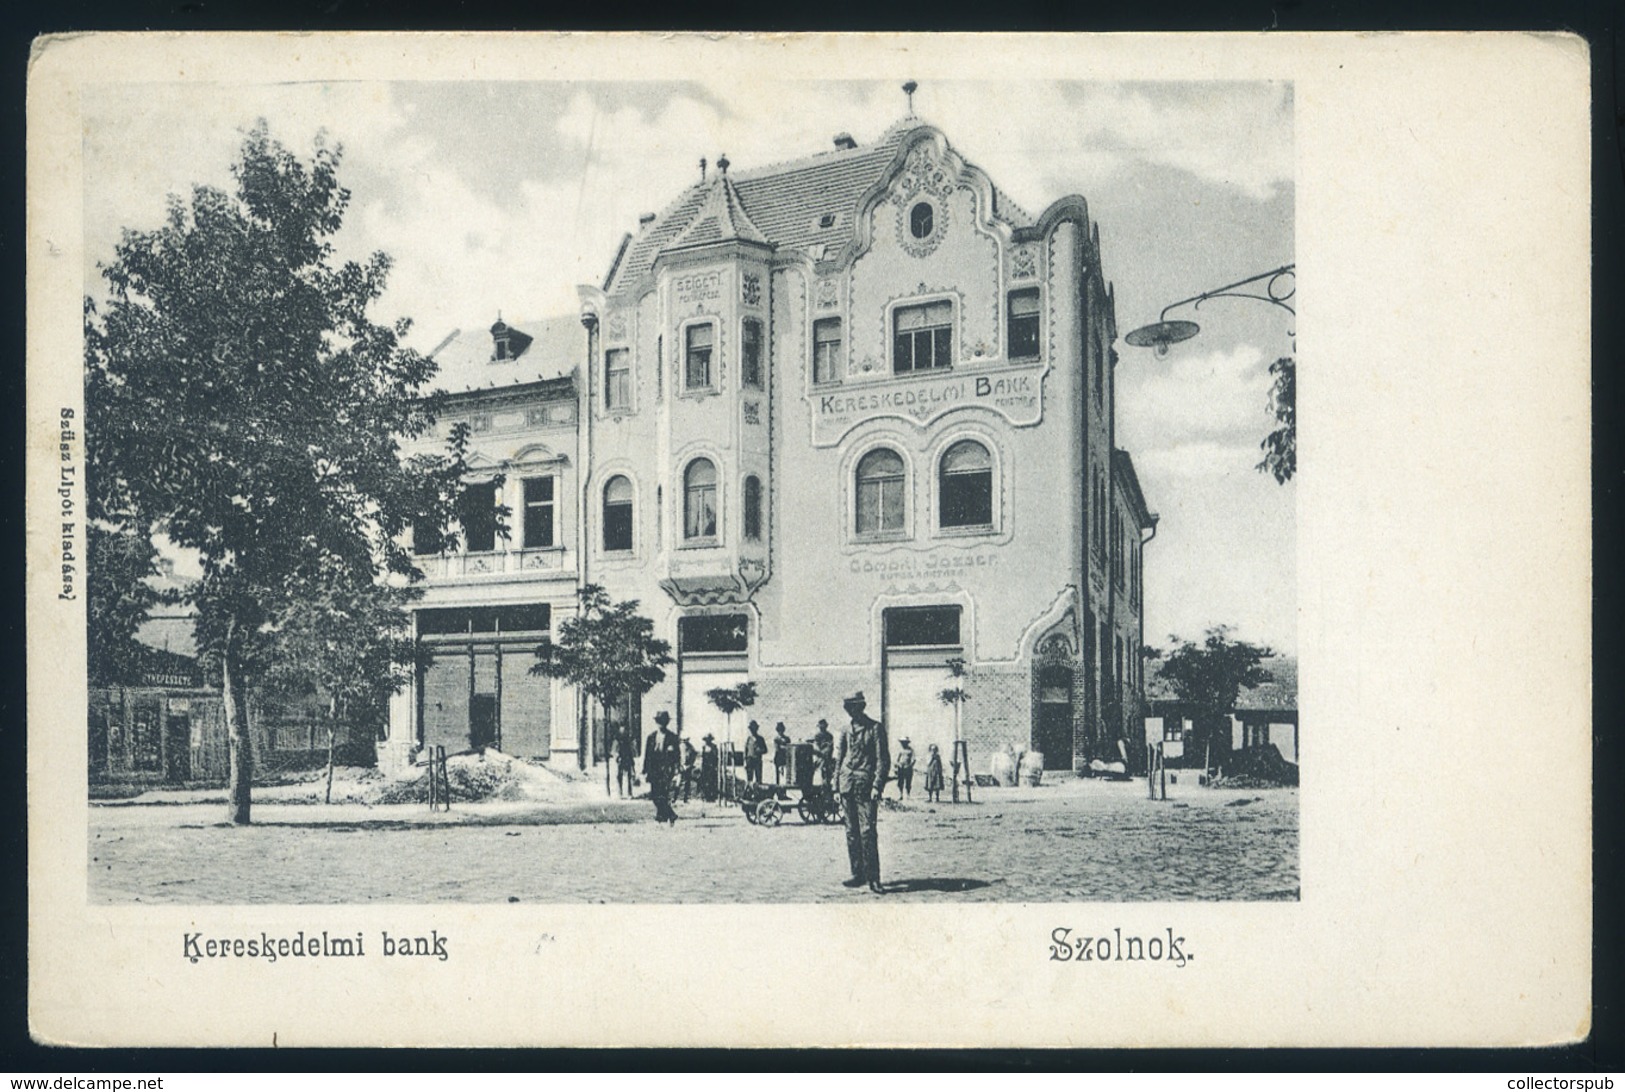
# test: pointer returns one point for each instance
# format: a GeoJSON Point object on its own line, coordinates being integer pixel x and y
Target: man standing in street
{"type": "Point", "coordinates": [755, 749]}
{"type": "Point", "coordinates": [660, 759]}
{"type": "Point", "coordinates": [824, 750]}
{"type": "Point", "coordinates": [781, 754]}
{"type": "Point", "coordinates": [863, 760]}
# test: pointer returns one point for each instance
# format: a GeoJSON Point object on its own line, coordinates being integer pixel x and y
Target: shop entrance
{"type": "Point", "coordinates": [713, 651]}
{"type": "Point", "coordinates": [476, 689]}
{"type": "Point", "coordinates": [919, 643]}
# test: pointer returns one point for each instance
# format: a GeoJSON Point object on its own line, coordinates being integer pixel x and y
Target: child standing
{"type": "Point", "coordinates": [933, 775]}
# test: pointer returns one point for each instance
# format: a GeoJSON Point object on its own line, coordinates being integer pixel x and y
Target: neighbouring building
{"type": "Point", "coordinates": [834, 423]}
{"type": "Point", "coordinates": [1264, 714]}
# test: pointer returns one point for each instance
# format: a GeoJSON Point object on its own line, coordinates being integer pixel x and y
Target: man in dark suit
{"type": "Point", "coordinates": [661, 758]}
{"type": "Point", "coordinates": [863, 760]}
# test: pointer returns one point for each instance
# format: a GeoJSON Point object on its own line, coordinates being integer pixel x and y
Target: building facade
{"type": "Point", "coordinates": [834, 423]}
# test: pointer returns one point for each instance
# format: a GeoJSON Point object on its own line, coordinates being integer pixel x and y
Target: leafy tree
{"type": "Point", "coordinates": [350, 643]}
{"type": "Point", "coordinates": [1208, 677]}
{"type": "Point", "coordinates": [240, 400]}
{"type": "Point", "coordinates": [1281, 445]}
{"type": "Point", "coordinates": [730, 700]}
{"type": "Point", "coordinates": [117, 600]}
{"type": "Point", "coordinates": [608, 651]}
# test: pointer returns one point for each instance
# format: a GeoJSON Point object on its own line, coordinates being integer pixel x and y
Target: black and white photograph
{"type": "Point", "coordinates": [834, 493]}
{"type": "Point", "coordinates": [908, 460]}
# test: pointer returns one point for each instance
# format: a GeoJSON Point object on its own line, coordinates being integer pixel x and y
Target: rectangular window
{"type": "Point", "coordinates": [448, 621]}
{"type": "Point", "coordinates": [750, 353]}
{"type": "Point", "coordinates": [915, 627]}
{"type": "Point", "coordinates": [827, 350]}
{"type": "Point", "coordinates": [1098, 363]}
{"type": "Point", "coordinates": [1023, 324]}
{"type": "Point", "coordinates": [924, 337]}
{"type": "Point", "coordinates": [713, 633]}
{"type": "Point", "coordinates": [477, 512]}
{"type": "Point", "coordinates": [753, 508]}
{"type": "Point", "coordinates": [424, 541]}
{"type": "Point", "coordinates": [697, 362]}
{"type": "Point", "coordinates": [617, 379]}
{"type": "Point", "coordinates": [538, 512]}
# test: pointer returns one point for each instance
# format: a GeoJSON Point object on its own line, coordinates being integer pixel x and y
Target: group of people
{"type": "Point", "coordinates": [903, 771]}
{"type": "Point", "coordinates": [857, 765]}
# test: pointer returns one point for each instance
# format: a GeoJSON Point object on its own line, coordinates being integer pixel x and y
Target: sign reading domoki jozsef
{"type": "Point", "coordinates": [1016, 393]}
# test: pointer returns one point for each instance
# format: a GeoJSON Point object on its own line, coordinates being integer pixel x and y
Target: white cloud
{"type": "Point", "coordinates": [1219, 397]}
{"type": "Point", "coordinates": [1199, 459]}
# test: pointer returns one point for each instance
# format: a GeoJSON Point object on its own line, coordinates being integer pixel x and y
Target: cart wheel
{"type": "Point", "coordinates": [768, 813]}
{"type": "Point", "coordinates": [808, 813]}
{"type": "Point", "coordinates": [836, 813]}
{"type": "Point", "coordinates": [750, 813]}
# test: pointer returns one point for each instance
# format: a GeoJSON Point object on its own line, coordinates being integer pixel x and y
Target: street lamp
{"type": "Point", "coordinates": [1278, 286]}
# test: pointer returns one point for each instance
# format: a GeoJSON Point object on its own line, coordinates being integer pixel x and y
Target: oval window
{"type": "Point", "coordinates": [920, 220]}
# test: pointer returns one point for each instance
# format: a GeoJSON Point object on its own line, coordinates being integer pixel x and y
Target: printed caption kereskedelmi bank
{"type": "Point", "coordinates": [324, 945]}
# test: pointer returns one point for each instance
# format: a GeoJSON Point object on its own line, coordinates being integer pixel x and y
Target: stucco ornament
{"type": "Point", "coordinates": [829, 294]}
{"type": "Point", "coordinates": [750, 289]}
{"type": "Point", "coordinates": [924, 181]}
{"type": "Point", "coordinates": [616, 326]}
{"type": "Point", "coordinates": [1024, 263]}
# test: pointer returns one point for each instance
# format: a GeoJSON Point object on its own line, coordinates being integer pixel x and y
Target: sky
{"type": "Point", "coordinates": [504, 196]}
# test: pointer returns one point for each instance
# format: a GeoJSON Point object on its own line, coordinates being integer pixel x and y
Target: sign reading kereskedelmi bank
{"type": "Point", "coordinates": [1016, 393]}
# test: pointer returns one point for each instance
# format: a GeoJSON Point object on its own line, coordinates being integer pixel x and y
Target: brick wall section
{"type": "Point", "coordinates": [802, 699]}
{"type": "Point", "coordinates": [1000, 711]}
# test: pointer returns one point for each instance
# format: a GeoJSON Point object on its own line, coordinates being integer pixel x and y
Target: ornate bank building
{"type": "Point", "coordinates": [834, 423]}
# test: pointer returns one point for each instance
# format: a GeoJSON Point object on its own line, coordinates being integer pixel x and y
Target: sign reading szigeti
{"type": "Point", "coordinates": [1015, 393]}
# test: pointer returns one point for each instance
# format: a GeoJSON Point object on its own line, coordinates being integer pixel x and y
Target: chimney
{"type": "Point", "coordinates": [646, 218]}
{"type": "Point", "coordinates": [702, 168]}
{"type": "Point", "coordinates": [844, 142]}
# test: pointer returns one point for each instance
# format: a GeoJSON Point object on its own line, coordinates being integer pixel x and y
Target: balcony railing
{"type": "Point", "coordinates": [557, 560]}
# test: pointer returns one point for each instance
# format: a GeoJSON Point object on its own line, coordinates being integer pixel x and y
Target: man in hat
{"type": "Point", "coordinates": [863, 759]}
{"type": "Point", "coordinates": [824, 749]}
{"type": "Point", "coordinates": [708, 767]}
{"type": "Point", "coordinates": [781, 753]}
{"type": "Point", "coordinates": [755, 749]}
{"type": "Point", "coordinates": [660, 763]}
{"type": "Point", "coordinates": [690, 757]}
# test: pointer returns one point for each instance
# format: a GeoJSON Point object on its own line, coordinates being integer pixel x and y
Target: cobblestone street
{"type": "Point", "coordinates": [1084, 840]}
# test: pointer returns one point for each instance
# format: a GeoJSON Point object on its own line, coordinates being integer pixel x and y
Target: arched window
{"type": "Point", "coordinates": [753, 508]}
{"type": "Point", "coordinates": [700, 500]}
{"type": "Point", "coordinates": [965, 486]}
{"type": "Point", "coordinates": [880, 492]}
{"type": "Point", "coordinates": [618, 513]}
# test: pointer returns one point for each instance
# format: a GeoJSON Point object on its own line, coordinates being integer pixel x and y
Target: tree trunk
{"type": "Point", "coordinates": [329, 761]}
{"type": "Point", "coordinates": [239, 792]}
{"type": "Point", "coordinates": [609, 756]}
{"type": "Point", "coordinates": [581, 733]}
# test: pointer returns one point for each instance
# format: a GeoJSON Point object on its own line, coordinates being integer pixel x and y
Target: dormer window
{"type": "Point", "coordinates": [827, 220]}
{"type": "Point", "coordinates": [506, 342]}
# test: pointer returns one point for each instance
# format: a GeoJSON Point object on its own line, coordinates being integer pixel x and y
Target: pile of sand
{"type": "Point", "coordinates": [490, 775]}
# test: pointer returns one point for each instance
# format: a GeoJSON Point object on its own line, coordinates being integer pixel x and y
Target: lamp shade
{"type": "Point", "coordinates": [1160, 335]}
